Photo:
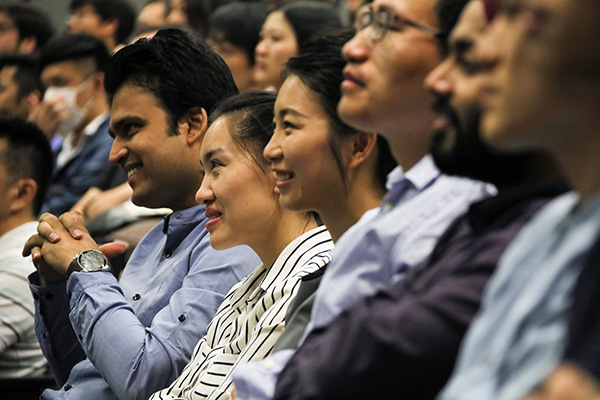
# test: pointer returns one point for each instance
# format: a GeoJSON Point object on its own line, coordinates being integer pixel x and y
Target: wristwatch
{"type": "Point", "coordinates": [89, 261]}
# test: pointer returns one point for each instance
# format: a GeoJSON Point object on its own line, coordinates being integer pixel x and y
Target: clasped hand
{"type": "Point", "coordinates": [58, 241]}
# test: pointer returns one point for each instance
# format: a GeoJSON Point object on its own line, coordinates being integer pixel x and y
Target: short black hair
{"type": "Point", "coordinates": [109, 10]}
{"type": "Point", "coordinates": [310, 18]}
{"type": "Point", "coordinates": [320, 67]}
{"type": "Point", "coordinates": [30, 21]}
{"type": "Point", "coordinates": [238, 23]}
{"type": "Point", "coordinates": [75, 47]}
{"type": "Point", "coordinates": [180, 70]}
{"type": "Point", "coordinates": [27, 74]}
{"type": "Point", "coordinates": [28, 155]}
{"type": "Point", "coordinates": [447, 13]}
{"type": "Point", "coordinates": [252, 121]}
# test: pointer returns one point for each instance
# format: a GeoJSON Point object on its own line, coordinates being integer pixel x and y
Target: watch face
{"type": "Point", "coordinates": [92, 260]}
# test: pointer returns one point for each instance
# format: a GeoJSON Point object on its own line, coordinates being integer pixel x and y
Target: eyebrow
{"type": "Point", "coordinates": [287, 111]}
{"type": "Point", "coordinates": [461, 45]}
{"type": "Point", "coordinates": [210, 154]}
{"type": "Point", "coordinates": [117, 126]}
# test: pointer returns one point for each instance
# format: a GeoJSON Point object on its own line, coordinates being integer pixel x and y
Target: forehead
{"type": "Point", "coordinates": [218, 137]}
{"type": "Point", "coordinates": [7, 74]}
{"type": "Point", "coordinates": [422, 11]}
{"type": "Point", "coordinates": [471, 23]}
{"type": "Point", "coordinates": [296, 95]}
{"type": "Point", "coordinates": [276, 21]}
{"type": "Point", "coordinates": [132, 100]}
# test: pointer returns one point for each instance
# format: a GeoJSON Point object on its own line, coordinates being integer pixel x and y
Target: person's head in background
{"type": "Point", "coordinates": [26, 164]}
{"type": "Point", "coordinates": [233, 33]}
{"type": "Point", "coordinates": [111, 21]}
{"type": "Point", "coordinates": [193, 14]}
{"type": "Point", "coordinates": [321, 163]}
{"type": "Point", "coordinates": [72, 69]}
{"type": "Point", "coordinates": [24, 28]}
{"type": "Point", "coordinates": [457, 85]}
{"type": "Point", "coordinates": [397, 44]}
{"type": "Point", "coordinates": [20, 88]}
{"type": "Point", "coordinates": [284, 33]}
{"type": "Point", "coordinates": [161, 91]}
{"type": "Point", "coordinates": [153, 14]}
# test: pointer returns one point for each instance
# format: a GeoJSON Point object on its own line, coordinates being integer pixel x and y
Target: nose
{"type": "Point", "coordinates": [356, 49]}
{"type": "Point", "coordinates": [205, 195]}
{"type": "Point", "coordinates": [118, 152]}
{"type": "Point", "coordinates": [273, 151]}
{"type": "Point", "coordinates": [261, 48]}
{"type": "Point", "coordinates": [438, 81]}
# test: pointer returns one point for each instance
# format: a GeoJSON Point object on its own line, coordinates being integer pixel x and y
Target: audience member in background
{"type": "Point", "coordinates": [153, 14]}
{"type": "Point", "coordinates": [403, 341]}
{"type": "Point", "coordinates": [111, 21]}
{"type": "Point", "coordinates": [241, 198]}
{"type": "Point", "coordinates": [25, 169]}
{"type": "Point", "coordinates": [542, 91]}
{"type": "Point", "coordinates": [20, 88]}
{"type": "Point", "coordinates": [283, 35]}
{"type": "Point", "coordinates": [193, 14]}
{"type": "Point", "coordinates": [74, 105]}
{"type": "Point", "coordinates": [24, 28]}
{"type": "Point", "coordinates": [139, 333]}
{"type": "Point", "coordinates": [233, 33]}
{"type": "Point", "coordinates": [323, 165]}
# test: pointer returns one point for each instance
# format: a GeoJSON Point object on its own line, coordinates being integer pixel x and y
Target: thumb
{"type": "Point", "coordinates": [113, 249]}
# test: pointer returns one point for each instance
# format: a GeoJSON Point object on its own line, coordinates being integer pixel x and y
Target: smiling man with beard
{"type": "Point", "coordinates": [403, 341]}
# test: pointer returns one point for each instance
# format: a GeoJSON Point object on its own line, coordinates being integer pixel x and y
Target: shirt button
{"type": "Point", "coordinates": [268, 364]}
{"type": "Point", "coordinates": [68, 387]}
{"type": "Point", "coordinates": [137, 296]}
{"type": "Point", "coordinates": [181, 318]}
{"type": "Point", "coordinates": [168, 253]}
{"type": "Point", "coordinates": [387, 206]}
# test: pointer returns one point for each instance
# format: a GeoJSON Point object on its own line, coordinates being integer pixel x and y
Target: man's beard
{"type": "Point", "coordinates": [471, 157]}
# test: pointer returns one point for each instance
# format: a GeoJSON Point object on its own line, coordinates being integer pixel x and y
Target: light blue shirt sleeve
{"type": "Point", "coordinates": [256, 380]}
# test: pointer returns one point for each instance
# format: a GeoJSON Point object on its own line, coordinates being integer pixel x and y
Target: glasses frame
{"type": "Point", "coordinates": [380, 24]}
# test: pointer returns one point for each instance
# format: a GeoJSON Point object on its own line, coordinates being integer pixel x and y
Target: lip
{"type": "Point", "coordinates": [351, 80]}
{"type": "Point", "coordinates": [441, 124]}
{"type": "Point", "coordinates": [129, 170]}
{"type": "Point", "coordinates": [214, 216]}
{"type": "Point", "coordinates": [488, 96]}
{"type": "Point", "coordinates": [284, 178]}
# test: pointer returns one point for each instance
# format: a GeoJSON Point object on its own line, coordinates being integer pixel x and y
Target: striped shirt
{"type": "Point", "coordinates": [20, 353]}
{"type": "Point", "coordinates": [249, 320]}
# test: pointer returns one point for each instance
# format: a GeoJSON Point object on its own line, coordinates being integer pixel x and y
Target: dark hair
{"type": "Point", "coordinates": [75, 47]}
{"type": "Point", "coordinates": [198, 12]}
{"type": "Point", "coordinates": [320, 67]}
{"type": "Point", "coordinates": [30, 21]}
{"type": "Point", "coordinates": [238, 23]}
{"type": "Point", "coordinates": [180, 70]}
{"type": "Point", "coordinates": [109, 10]}
{"type": "Point", "coordinates": [27, 155]}
{"type": "Point", "coordinates": [27, 74]}
{"type": "Point", "coordinates": [310, 18]}
{"type": "Point", "coordinates": [251, 126]}
{"type": "Point", "coordinates": [447, 13]}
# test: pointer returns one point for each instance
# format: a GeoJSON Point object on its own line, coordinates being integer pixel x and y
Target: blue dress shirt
{"type": "Point", "coordinates": [519, 335]}
{"type": "Point", "coordinates": [376, 252]}
{"type": "Point", "coordinates": [139, 333]}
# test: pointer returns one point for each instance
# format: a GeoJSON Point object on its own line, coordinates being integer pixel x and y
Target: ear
{"type": "Point", "coordinates": [361, 145]}
{"type": "Point", "coordinates": [98, 81]}
{"type": "Point", "coordinates": [194, 125]}
{"type": "Point", "coordinates": [33, 99]}
{"type": "Point", "coordinates": [21, 195]}
{"type": "Point", "coordinates": [27, 45]}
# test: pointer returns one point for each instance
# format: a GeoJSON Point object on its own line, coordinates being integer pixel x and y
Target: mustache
{"type": "Point", "coordinates": [442, 106]}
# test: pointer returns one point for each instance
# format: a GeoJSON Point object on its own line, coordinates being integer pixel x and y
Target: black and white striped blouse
{"type": "Point", "coordinates": [249, 320]}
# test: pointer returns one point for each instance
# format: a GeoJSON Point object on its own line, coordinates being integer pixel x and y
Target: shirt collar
{"type": "Point", "coordinates": [179, 224]}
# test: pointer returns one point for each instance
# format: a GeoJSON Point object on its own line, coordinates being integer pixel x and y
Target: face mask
{"type": "Point", "coordinates": [76, 113]}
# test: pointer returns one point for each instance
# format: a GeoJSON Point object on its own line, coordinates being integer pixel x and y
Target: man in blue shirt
{"type": "Point", "coordinates": [136, 335]}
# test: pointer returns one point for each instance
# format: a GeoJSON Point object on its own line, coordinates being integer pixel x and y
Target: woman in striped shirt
{"type": "Point", "coordinates": [243, 209]}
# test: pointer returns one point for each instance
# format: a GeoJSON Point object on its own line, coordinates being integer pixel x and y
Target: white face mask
{"type": "Point", "coordinates": [76, 113]}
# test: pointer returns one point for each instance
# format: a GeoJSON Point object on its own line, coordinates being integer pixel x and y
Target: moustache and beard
{"type": "Point", "coordinates": [469, 156]}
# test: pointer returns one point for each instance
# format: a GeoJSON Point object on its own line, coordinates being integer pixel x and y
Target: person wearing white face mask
{"type": "Point", "coordinates": [75, 107]}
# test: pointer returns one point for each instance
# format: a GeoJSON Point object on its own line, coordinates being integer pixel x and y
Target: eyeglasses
{"type": "Point", "coordinates": [380, 23]}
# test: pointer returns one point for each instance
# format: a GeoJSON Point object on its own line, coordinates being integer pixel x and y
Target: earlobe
{"type": "Point", "coordinates": [22, 193]}
{"type": "Point", "coordinates": [27, 45]}
{"type": "Point", "coordinates": [363, 144]}
{"type": "Point", "coordinates": [194, 124]}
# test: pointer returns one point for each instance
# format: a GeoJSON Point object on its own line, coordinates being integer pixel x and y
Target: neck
{"type": "Point", "coordinates": [543, 168]}
{"type": "Point", "coordinates": [362, 196]}
{"type": "Point", "coordinates": [286, 227]}
{"type": "Point", "coordinates": [15, 220]}
{"type": "Point", "coordinates": [99, 107]}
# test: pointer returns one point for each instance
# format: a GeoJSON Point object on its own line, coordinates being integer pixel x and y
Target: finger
{"type": "Point", "coordinates": [32, 243]}
{"type": "Point", "coordinates": [46, 231]}
{"type": "Point", "coordinates": [113, 249]}
{"type": "Point", "coordinates": [74, 222]}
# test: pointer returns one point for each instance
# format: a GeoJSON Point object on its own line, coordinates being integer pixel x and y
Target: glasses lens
{"type": "Point", "coordinates": [382, 22]}
{"type": "Point", "coordinates": [364, 19]}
